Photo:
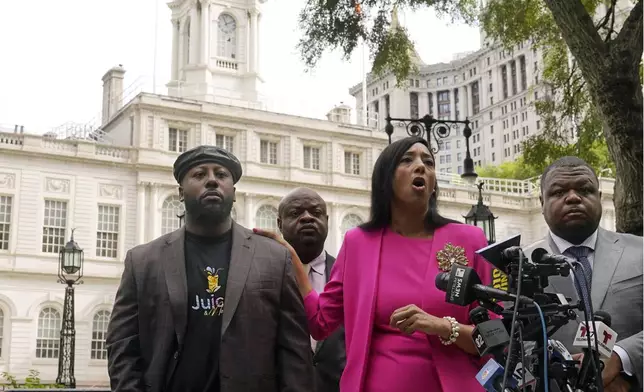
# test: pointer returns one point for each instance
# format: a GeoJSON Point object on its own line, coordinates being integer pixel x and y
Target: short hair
{"type": "Point", "coordinates": [289, 196]}
{"type": "Point", "coordinates": [569, 162]}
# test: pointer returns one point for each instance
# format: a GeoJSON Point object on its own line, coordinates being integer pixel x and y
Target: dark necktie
{"type": "Point", "coordinates": [583, 271]}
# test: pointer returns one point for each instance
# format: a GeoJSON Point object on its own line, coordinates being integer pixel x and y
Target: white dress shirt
{"type": "Point", "coordinates": [591, 242]}
{"type": "Point", "coordinates": [316, 271]}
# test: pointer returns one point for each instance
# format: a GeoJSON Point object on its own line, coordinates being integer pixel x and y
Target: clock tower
{"type": "Point", "coordinates": [215, 50]}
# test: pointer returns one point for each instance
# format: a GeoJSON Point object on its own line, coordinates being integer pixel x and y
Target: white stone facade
{"type": "Point", "coordinates": [114, 185]}
{"type": "Point", "coordinates": [119, 196]}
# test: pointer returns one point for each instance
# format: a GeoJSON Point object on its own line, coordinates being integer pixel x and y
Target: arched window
{"type": "Point", "coordinates": [99, 330]}
{"type": "Point", "coordinates": [48, 341]}
{"type": "Point", "coordinates": [266, 217]}
{"type": "Point", "coordinates": [233, 214]}
{"type": "Point", "coordinates": [172, 206]}
{"type": "Point", "coordinates": [227, 37]}
{"type": "Point", "coordinates": [349, 222]}
{"type": "Point", "coordinates": [1, 330]}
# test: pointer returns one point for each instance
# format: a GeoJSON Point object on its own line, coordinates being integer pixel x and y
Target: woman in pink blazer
{"type": "Point", "coordinates": [401, 335]}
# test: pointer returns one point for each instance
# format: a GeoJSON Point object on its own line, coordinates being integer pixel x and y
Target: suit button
{"type": "Point", "coordinates": [176, 355]}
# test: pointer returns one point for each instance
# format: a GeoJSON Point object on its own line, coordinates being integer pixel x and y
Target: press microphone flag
{"type": "Point", "coordinates": [606, 337]}
{"type": "Point", "coordinates": [462, 286]}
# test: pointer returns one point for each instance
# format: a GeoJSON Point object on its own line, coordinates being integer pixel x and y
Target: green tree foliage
{"type": "Point", "coordinates": [592, 72]}
{"type": "Point", "coordinates": [32, 381]}
{"type": "Point", "coordinates": [516, 170]}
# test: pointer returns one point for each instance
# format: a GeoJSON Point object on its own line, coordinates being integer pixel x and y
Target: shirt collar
{"type": "Point", "coordinates": [318, 264]}
{"type": "Point", "coordinates": [564, 245]}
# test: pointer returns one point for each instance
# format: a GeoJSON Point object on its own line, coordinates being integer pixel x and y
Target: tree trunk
{"type": "Point", "coordinates": [620, 103]}
{"type": "Point", "coordinates": [611, 70]}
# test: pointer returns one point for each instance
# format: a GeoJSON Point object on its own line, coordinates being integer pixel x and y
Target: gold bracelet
{"type": "Point", "coordinates": [454, 333]}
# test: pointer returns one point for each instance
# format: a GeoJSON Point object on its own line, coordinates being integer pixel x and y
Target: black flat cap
{"type": "Point", "coordinates": [206, 154]}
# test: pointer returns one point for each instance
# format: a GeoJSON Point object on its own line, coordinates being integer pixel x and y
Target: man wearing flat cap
{"type": "Point", "coordinates": [211, 306]}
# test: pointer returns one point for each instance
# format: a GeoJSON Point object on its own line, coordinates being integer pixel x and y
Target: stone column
{"type": "Point", "coordinates": [193, 57]}
{"type": "Point", "coordinates": [155, 230]}
{"type": "Point", "coordinates": [205, 32]}
{"type": "Point", "coordinates": [423, 104]}
{"type": "Point", "coordinates": [140, 213]}
{"type": "Point", "coordinates": [462, 99]}
{"type": "Point", "coordinates": [470, 109]}
{"type": "Point", "coordinates": [252, 50]}
{"type": "Point", "coordinates": [452, 104]}
{"type": "Point", "coordinates": [175, 50]}
{"type": "Point", "coordinates": [249, 205]}
{"type": "Point", "coordinates": [182, 49]}
{"type": "Point", "coordinates": [508, 73]}
{"type": "Point", "coordinates": [434, 103]}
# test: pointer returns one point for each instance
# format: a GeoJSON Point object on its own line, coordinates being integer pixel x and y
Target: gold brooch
{"type": "Point", "coordinates": [450, 255]}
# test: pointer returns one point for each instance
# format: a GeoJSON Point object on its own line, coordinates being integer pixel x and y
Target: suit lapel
{"type": "Point", "coordinates": [174, 265]}
{"type": "Point", "coordinates": [327, 271]}
{"type": "Point", "coordinates": [608, 252]}
{"type": "Point", "coordinates": [241, 258]}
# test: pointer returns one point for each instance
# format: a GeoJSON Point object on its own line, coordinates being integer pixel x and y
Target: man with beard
{"type": "Point", "coordinates": [303, 222]}
{"type": "Point", "coordinates": [608, 268]}
{"type": "Point", "coordinates": [211, 306]}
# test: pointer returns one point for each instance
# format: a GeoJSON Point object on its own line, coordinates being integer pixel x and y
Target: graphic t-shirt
{"type": "Point", "coordinates": [207, 261]}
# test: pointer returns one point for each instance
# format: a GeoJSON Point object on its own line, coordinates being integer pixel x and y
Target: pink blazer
{"type": "Point", "coordinates": [349, 298]}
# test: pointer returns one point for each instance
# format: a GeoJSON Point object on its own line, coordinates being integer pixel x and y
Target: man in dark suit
{"type": "Point", "coordinates": [170, 330]}
{"type": "Point", "coordinates": [303, 222]}
{"type": "Point", "coordinates": [610, 262]}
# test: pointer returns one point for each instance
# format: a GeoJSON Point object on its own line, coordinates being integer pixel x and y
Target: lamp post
{"type": "Point", "coordinates": [70, 272]}
{"type": "Point", "coordinates": [428, 127]}
{"type": "Point", "coordinates": [481, 216]}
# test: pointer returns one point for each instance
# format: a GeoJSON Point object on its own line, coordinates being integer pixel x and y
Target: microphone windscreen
{"type": "Point", "coordinates": [602, 316]}
{"type": "Point", "coordinates": [537, 255]}
{"type": "Point", "coordinates": [442, 281]}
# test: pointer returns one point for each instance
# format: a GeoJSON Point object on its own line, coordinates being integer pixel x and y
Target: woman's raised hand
{"type": "Point", "coordinates": [275, 236]}
{"type": "Point", "coordinates": [278, 237]}
{"type": "Point", "coordinates": [300, 274]}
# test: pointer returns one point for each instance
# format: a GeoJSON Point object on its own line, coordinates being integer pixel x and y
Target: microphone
{"type": "Point", "coordinates": [541, 256]}
{"type": "Point", "coordinates": [462, 286]}
{"type": "Point", "coordinates": [606, 338]}
{"type": "Point", "coordinates": [491, 378]}
{"type": "Point", "coordinates": [489, 336]}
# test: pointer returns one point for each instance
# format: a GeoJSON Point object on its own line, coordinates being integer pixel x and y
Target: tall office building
{"type": "Point", "coordinates": [492, 87]}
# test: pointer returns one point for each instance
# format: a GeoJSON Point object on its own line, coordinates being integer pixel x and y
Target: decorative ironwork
{"type": "Point", "coordinates": [428, 127]}
{"type": "Point", "coordinates": [70, 273]}
{"type": "Point", "coordinates": [481, 216]}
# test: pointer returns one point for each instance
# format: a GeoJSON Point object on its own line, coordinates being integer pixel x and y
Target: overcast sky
{"type": "Point", "coordinates": [54, 54]}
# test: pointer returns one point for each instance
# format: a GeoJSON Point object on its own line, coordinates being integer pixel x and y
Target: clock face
{"type": "Point", "coordinates": [227, 24]}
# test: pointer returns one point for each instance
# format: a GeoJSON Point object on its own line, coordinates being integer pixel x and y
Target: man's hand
{"type": "Point", "coordinates": [612, 368]}
{"type": "Point", "coordinates": [619, 384]}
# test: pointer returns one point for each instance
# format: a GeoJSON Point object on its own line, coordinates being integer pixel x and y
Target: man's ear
{"type": "Point", "coordinates": [180, 193]}
{"type": "Point", "coordinates": [541, 201]}
{"type": "Point", "coordinates": [234, 194]}
{"type": "Point", "coordinates": [279, 224]}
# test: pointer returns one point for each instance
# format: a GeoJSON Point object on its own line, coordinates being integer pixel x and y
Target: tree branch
{"type": "Point", "coordinates": [579, 33]}
{"type": "Point", "coordinates": [629, 39]}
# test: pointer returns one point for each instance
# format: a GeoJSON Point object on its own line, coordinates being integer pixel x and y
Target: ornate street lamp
{"type": "Point", "coordinates": [428, 127]}
{"type": "Point", "coordinates": [70, 272]}
{"type": "Point", "coordinates": [481, 216]}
